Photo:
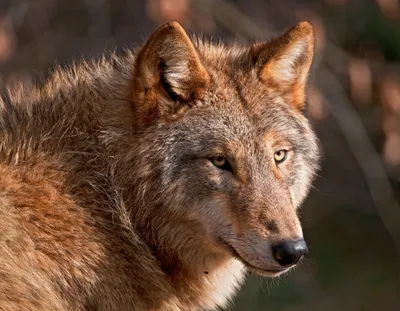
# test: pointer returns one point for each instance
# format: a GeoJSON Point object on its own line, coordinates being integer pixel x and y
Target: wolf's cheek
{"type": "Point", "coordinates": [300, 182]}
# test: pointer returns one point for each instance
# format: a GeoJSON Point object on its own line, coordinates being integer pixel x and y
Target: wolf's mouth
{"type": "Point", "coordinates": [257, 270]}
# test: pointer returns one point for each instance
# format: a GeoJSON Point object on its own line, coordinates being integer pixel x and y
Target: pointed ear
{"type": "Point", "coordinates": [168, 72]}
{"type": "Point", "coordinates": [284, 63]}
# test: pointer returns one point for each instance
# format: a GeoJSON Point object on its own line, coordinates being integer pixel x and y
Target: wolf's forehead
{"type": "Point", "coordinates": [217, 53]}
{"type": "Point", "coordinates": [237, 121]}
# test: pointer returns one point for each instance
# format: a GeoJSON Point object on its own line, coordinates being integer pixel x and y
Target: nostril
{"type": "Point", "coordinates": [288, 253]}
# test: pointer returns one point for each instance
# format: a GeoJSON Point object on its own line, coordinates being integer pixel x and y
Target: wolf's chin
{"type": "Point", "coordinates": [263, 272]}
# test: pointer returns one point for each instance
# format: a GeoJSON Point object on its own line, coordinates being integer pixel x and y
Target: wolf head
{"type": "Point", "coordinates": [225, 155]}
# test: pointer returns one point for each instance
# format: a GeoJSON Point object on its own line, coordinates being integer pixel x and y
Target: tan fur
{"type": "Point", "coordinates": [109, 199]}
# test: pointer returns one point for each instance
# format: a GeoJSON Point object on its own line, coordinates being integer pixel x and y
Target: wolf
{"type": "Point", "coordinates": [155, 180]}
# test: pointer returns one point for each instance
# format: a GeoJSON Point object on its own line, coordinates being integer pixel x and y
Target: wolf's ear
{"type": "Point", "coordinates": [284, 62]}
{"type": "Point", "coordinates": [168, 70]}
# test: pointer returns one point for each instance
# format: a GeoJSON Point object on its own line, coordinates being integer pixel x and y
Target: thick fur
{"type": "Point", "coordinates": [108, 197]}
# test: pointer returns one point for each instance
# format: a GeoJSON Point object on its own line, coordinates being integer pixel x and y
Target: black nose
{"type": "Point", "coordinates": [289, 253]}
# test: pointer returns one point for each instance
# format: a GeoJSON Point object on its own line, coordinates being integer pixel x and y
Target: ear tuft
{"type": "Point", "coordinates": [285, 62]}
{"type": "Point", "coordinates": [170, 58]}
{"type": "Point", "coordinates": [168, 73]}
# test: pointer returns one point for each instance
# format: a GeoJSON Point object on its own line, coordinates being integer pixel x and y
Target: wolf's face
{"type": "Point", "coordinates": [235, 156]}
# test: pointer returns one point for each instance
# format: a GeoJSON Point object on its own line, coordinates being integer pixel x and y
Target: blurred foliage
{"type": "Point", "coordinates": [353, 262]}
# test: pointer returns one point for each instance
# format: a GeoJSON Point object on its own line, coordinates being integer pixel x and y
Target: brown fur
{"type": "Point", "coordinates": [108, 197]}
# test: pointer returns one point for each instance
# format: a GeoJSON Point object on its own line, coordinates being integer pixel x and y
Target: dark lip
{"type": "Point", "coordinates": [235, 253]}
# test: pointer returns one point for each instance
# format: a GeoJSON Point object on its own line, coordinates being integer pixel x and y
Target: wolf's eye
{"type": "Point", "coordinates": [280, 156]}
{"type": "Point", "coordinates": [222, 163]}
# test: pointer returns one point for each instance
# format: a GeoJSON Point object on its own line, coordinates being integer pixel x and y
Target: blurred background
{"type": "Point", "coordinates": [352, 217]}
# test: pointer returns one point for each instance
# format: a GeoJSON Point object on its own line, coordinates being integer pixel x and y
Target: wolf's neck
{"type": "Point", "coordinates": [211, 286]}
{"type": "Point", "coordinates": [199, 277]}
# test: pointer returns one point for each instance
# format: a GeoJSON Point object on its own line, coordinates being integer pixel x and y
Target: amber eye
{"type": "Point", "coordinates": [280, 156]}
{"type": "Point", "coordinates": [221, 162]}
